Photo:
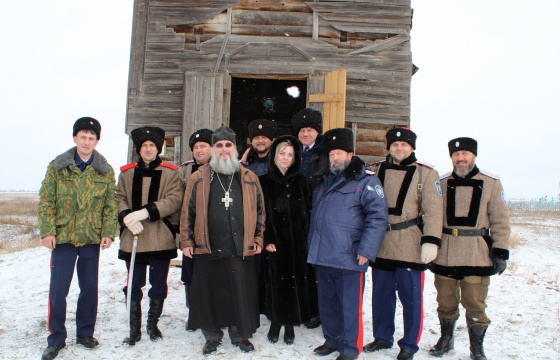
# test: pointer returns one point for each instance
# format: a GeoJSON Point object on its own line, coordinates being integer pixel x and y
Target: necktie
{"type": "Point", "coordinates": [305, 148]}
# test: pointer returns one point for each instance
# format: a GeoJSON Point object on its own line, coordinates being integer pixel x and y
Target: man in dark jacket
{"type": "Point", "coordinates": [308, 126]}
{"type": "Point", "coordinates": [77, 217]}
{"type": "Point", "coordinates": [414, 197]}
{"type": "Point", "coordinates": [475, 245]}
{"type": "Point", "coordinates": [261, 135]}
{"type": "Point", "coordinates": [348, 222]}
{"type": "Point", "coordinates": [200, 143]}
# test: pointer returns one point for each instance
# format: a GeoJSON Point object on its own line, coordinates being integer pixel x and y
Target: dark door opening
{"type": "Point", "coordinates": [270, 99]}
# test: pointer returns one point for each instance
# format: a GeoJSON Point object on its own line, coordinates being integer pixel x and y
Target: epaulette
{"type": "Point", "coordinates": [425, 164]}
{"type": "Point", "coordinates": [493, 176]}
{"type": "Point", "coordinates": [168, 165]}
{"type": "Point", "coordinates": [188, 162]}
{"type": "Point", "coordinates": [132, 165]}
{"type": "Point", "coordinates": [446, 175]}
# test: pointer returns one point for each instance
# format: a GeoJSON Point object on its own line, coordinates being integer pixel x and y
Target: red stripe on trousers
{"type": "Point", "coordinates": [360, 339]}
{"type": "Point", "coordinates": [421, 306]}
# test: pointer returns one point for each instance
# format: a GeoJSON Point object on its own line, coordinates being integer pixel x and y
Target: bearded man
{"type": "Point", "coordinates": [348, 222]}
{"type": "Point", "coordinates": [222, 225]}
{"type": "Point", "coordinates": [475, 245]}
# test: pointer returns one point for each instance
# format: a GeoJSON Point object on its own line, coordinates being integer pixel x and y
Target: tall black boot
{"type": "Point", "coordinates": [135, 324]}
{"type": "Point", "coordinates": [476, 336]}
{"type": "Point", "coordinates": [156, 308]}
{"type": "Point", "coordinates": [447, 339]}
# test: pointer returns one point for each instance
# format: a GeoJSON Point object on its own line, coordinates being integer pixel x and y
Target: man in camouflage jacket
{"type": "Point", "coordinates": [475, 245]}
{"type": "Point", "coordinates": [411, 242]}
{"type": "Point", "coordinates": [77, 218]}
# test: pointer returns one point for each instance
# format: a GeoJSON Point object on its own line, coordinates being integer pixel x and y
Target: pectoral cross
{"type": "Point", "coordinates": [227, 200]}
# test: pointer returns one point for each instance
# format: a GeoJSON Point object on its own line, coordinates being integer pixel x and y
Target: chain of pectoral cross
{"type": "Point", "coordinates": [226, 199]}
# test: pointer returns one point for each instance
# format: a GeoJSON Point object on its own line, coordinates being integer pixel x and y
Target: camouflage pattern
{"type": "Point", "coordinates": [78, 208]}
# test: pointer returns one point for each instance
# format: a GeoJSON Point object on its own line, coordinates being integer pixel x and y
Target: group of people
{"type": "Point", "coordinates": [288, 231]}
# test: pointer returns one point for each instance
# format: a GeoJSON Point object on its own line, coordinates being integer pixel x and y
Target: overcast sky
{"type": "Point", "coordinates": [488, 69]}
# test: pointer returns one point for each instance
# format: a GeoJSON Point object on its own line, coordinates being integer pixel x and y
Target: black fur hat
{"type": "Point", "coordinates": [87, 123]}
{"type": "Point", "coordinates": [262, 127]}
{"type": "Point", "coordinates": [223, 133]}
{"type": "Point", "coordinates": [463, 143]}
{"type": "Point", "coordinates": [307, 118]}
{"type": "Point", "coordinates": [151, 133]}
{"type": "Point", "coordinates": [401, 134]}
{"type": "Point", "coordinates": [339, 139]}
{"type": "Point", "coordinates": [204, 135]}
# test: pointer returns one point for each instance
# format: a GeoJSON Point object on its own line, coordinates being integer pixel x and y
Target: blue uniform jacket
{"type": "Point", "coordinates": [348, 218]}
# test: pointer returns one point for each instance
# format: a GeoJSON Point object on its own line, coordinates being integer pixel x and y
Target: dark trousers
{"type": "Point", "coordinates": [409, 285]}
{"type": "Point", "coordinates": [63, 262]}
{"type": "Point", "coordinates": [218, 334]}
{"type": "Point", "coordinates": [340, 307]}
{"type": "Point", "coordinates": [187, 268]}
{"type": "Point", "coordinates": [158, 280]}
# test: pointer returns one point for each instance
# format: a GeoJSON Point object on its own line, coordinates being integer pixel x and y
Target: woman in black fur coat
{"type": "Point", "coordinates": [284, 286]}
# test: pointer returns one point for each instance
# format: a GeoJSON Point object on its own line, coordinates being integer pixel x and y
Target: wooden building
{"type": "Point", "coordinates": [197, 64]}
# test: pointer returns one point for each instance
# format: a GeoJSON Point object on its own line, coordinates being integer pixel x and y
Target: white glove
{"type": "Point", "coordinates": [135, 217]}
{"type": "Point", "coordinates": [428, 253]}
{"type": "Point", "coordinates": [135, 228]}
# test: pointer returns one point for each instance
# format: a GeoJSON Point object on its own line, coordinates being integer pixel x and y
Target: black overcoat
{"type": "Point", "coordinates": [285, 295]}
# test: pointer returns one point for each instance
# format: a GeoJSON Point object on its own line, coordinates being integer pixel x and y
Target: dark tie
{"type": "Point", "coordinates": [305, 148]}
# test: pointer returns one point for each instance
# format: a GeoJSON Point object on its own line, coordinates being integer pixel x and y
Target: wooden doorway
{"type": "Point", "coordinates": [264, 98]}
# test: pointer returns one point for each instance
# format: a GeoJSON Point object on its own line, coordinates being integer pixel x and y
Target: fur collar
{"type": "Point", "coordinates": [293, 170]}
{"type": "Point", "coordinates": [406, 162]}
{"type": "Point", "coordinates": [473, 172]}
{"type": "Point", "coordinates": [66, 159]}
{"type": "Point", "coordinates": [253, 156]}
{"type": "Point", "coordinates": [356, 167]}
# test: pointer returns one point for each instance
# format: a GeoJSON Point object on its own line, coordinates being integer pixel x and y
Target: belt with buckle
{"type": "Point", "coordinates": [402, 225]}
{"type": "Point", "coordinates": [460, 232]}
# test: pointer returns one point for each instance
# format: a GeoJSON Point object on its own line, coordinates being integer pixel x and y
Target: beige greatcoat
{"type": "Point", "coordinates": [401, 248]}
{"type": "Point", "coordinates": [156, 235]}
{"type": "Point", "coordinates": [472, 255]}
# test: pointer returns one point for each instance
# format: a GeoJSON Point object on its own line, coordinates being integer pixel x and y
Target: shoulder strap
{"type": "Point", "coordinates": [128, 166]}
{"type": "Point", "coordinates": [420, 193]}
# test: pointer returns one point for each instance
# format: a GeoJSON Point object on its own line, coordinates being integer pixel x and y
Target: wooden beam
{"type": "Point", "coordinates": [325, 98]}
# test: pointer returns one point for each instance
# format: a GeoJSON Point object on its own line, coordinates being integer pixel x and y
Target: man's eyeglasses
{"type": "Point", "coordinates": [221, 145]}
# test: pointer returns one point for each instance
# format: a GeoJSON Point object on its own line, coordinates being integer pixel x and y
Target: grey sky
{"type": "Point", "coordinates": [488, 70]}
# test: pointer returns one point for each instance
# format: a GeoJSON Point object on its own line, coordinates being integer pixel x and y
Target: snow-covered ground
{"type": "Point", "coordinates": [523, 304]}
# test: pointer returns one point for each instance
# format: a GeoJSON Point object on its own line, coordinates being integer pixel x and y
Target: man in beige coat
{"type": "Point", "coordinates": [150, 197]}
{"type": "Point", "coordinates": [475, 245]}
{"type": "Point", "coordinates": [411, 241]}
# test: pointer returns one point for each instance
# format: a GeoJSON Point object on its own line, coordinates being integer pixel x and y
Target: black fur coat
{"type": "Point", "coordinates": [284, 286]}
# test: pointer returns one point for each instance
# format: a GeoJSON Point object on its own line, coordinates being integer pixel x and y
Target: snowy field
{"type": "Point", "coordinates": [524, 306]}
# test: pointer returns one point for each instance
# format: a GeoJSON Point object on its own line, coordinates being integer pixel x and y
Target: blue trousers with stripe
{"type": "Point", "coordinates": [409, 285]}
{"type": "Point", "coordinates": [159, 269]}
{"type": "Point", "coordinates": [340, 307]}
{"type": "Point", "coordinates": [64, 259]}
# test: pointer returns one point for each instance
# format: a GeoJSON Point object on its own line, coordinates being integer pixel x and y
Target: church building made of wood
{"type": "Point", "coordinates": [197, 64]}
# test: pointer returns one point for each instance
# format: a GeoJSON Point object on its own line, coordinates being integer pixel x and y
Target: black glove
{"type": "Point", "coordinates": [500, 265]}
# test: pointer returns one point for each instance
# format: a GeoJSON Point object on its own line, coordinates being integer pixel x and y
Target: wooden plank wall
{"type": "Point", "coordinates": [171, 37]}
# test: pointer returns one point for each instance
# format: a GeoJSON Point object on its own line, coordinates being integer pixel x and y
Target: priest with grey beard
{"type": "Point", "coordinates": [222, 225]}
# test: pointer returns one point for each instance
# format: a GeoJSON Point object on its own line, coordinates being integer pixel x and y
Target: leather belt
{"type": "Point", "coordinates": [459, 232]}
{"type": "Point", "coordinates": [402, 225]}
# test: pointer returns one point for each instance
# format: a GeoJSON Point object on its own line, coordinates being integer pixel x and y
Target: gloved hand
{"type": "Point", "coordinates": [500, 265]}
{"type": "Point", "coordinates": [135, 228]}
{"type": "Point", "coordinates": [135, 217]}
{"type": "Point", "coordinates": [428, 252]}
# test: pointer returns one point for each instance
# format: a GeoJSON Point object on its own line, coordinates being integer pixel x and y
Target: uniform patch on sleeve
{"type": "Point", "coordinates": [379, 191]}
{"type": "Point", "coordinates": [504, 197]}
{"type": "Point", "coordinates": [438, 187]}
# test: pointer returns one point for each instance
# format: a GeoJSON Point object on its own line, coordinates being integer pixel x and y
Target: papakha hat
{"type": "Point", "coordinates": [462, 143]}
{"type": "Point", "coordinates": [151, 133]}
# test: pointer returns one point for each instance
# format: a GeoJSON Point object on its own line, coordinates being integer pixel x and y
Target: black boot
{"type": "Point", "coordinates": [314, 323]}
{"type": "Point", "coordinates": [187, 295]}
{"type": "Point", "coordinates": [156, 308]}
{"type": "Point", "coordinates": [447, 339]}
{"type": "Point", "coordinates": [135, 324]}
{"type": "Point", "coordinates": [274, 332]}
{"type": "Point", "coordinates": [476, 336]}
{"type": "Point", "coordinates": [289, 335]}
